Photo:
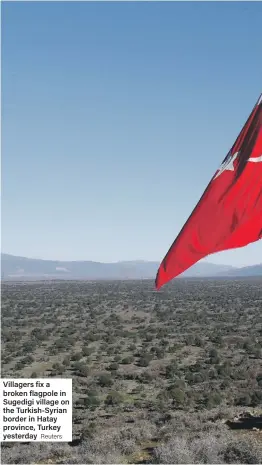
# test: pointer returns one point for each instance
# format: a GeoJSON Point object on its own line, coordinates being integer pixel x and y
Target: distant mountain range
{"type": "Point", "coordinates": [21, 269]}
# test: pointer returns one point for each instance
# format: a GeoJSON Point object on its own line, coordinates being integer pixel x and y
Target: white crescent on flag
{"type": "Point", "coordinates": [255, 159]}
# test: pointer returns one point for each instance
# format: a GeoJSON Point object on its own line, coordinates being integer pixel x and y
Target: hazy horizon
{"type": "Point", "coordinates": [208, 259]}
{"type": "Point", "coordinates": [115, 116]}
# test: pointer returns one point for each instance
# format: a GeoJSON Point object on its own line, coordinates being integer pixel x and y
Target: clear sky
{"type": "Point", "coordinates": [115, 118]}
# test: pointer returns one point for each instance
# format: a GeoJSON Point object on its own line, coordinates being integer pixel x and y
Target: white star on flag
{"type": "Point", "coordinates": [228, 165]}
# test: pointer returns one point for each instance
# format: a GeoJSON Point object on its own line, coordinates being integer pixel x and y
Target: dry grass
{"type": "Point", "coordinates": [179, 362]}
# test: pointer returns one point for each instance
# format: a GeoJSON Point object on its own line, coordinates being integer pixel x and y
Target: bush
{"type": "Point", "coordinates": [259, 379]}
{"type": "Point", "coordinates": [105, 380]}
{"type": "Point", "coordinates": [76, 356]}
{"type": "Point", "coordinates": [66, 361]}
{"type": "Point", "coordinates": [113, 398]}
{"type": "Point", "coordinates": [199, 341]}
{"type": "Point", "coordinates": [113, 366]}
{"type": "Point", "coordinates": [88, 431]}
{"type": "Point", "coordinates": [213, 353]}
{"type": "Point", "coordinates": [256, 398]}
{"type": "Point", "coordinates": [171, 370]}
{"type": "Point", "coordinates": [244, 400]}
{"type": "Point", "coordinates": [128, 360]}
{"type": "Point", "coordinates": [213, 400]}
{"type": "Point", "coordinates": [178, 396]}
{"type": "Point", "coordinates": [206, 449]}
{"type": "Point", "coordinates": [144, 360]}
{"type": "Point", "coordinates": [198, 378]}
{"type": "Point", "coordinates": [241, 452]}
{"type": "Point", "coordinates": [86, 351]}
{"type": "Point", "coordinates": [91, 402]}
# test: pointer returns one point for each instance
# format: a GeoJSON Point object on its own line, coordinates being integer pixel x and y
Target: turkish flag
{"type": "Point", "coordinates": [229, 213]}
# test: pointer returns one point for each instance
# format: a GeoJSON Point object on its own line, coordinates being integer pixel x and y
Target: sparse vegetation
{"type": "Point", "coordinates": [155, 374]}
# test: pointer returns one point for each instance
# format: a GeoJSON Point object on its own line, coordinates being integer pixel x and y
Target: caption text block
{"type": "Point", "coordinates": [36, 410]}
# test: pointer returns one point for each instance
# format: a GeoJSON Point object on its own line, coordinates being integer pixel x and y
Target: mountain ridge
{"type": "Point", "coordinates": [22, 268]}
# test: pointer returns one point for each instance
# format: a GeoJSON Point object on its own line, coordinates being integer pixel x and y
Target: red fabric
{"type": "Point", "coordinates": [229, 214]}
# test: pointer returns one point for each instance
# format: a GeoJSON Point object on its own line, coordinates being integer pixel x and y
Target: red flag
{"type": "Point", "coordinates": [229, 213]}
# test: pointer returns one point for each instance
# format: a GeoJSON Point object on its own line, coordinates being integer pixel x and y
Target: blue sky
{"type": "Point", "coordinates": [115, 118]}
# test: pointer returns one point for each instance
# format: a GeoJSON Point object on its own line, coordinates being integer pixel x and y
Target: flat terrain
{"type": "Point", "coordinates": [155, 374]}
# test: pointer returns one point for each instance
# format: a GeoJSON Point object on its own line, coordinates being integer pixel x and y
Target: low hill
{"type": "Point", "coordinates": [255, 270]}
{"type": "Point", "coordinates": [21, 268]}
